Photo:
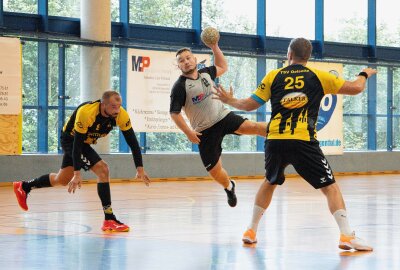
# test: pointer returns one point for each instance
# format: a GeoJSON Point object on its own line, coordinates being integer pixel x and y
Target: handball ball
{"type": "Point", "coordinates": [210, 35]}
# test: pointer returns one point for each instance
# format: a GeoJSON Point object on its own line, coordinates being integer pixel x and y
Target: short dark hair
{"type": "Point", "coordinates": [181, 50]}
{"type": "Point", "coordinates": [108, 94]}
{"type": "Point", "coordinates": [301, 48]}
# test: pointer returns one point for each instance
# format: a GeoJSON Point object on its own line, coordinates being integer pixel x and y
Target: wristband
{"type": "Point", "coordinates": [363, 73]}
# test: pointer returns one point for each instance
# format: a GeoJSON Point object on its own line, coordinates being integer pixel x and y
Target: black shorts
{"type": "Point", "coordinates": [89, 156]}
{"type": "Point", "coordinates": [306, 158]}
{"type": "Point", "coordinates": [211, 139]}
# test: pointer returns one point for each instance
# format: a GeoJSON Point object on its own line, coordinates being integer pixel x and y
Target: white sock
{"type": "Point", "coordinates": [257, 215]}
{"type": "Point", "coordinates": [230, 186]}
{"type": "Point", "coordinates": [341, 220]}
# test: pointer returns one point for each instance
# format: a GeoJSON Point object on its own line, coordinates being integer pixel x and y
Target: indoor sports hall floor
{"type": "Point", "coordinates": [188, 225]}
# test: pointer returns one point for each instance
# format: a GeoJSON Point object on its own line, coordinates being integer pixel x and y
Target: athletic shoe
{"type": "Point", "coordinates": [348, 242]}
{"type": "Point", "coordinates": [249, 237]}
{"type": "Point", "coordinates": [21, 195]}
{"type": "Point", "coordinates": [114, 226]}
{"type": "Point", "coordinates": [232, 200]}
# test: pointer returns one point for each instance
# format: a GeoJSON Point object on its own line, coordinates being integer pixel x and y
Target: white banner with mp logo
{"type": "Point", "coordinates": [151, 75]}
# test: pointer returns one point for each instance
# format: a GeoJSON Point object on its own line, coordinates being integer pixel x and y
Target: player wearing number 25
{"type": "Point", "coordinates": [89, 122]}
{"type": "Point", "coordinates": [295, 93]}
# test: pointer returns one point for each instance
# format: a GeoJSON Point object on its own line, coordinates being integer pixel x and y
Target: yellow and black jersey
{"type": "Point", "coordinates": [87, 119]}
{"type": "Point", "coordinates": [295, 92]}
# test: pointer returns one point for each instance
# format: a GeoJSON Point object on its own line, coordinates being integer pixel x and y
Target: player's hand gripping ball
{"type": "Point", "coordinates": [210, 35]}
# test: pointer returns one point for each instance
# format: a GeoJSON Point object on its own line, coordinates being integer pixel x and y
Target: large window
{"type": "Point", "coordinates": [290, 18]}
{"type": "Point", "coordinates": [388, 23]}
{"type": "Point", "coordinates": [241, 76]}
{"type": "Point", "coordinates": [53, 123]}
{"type": "Point", "coordinates": [30, 96]}
{"type": "Point", "coordinates": [381, 109]}
{"type": "Point", "coordinates": [24, 6]}
{"type": "Point", "coordinates": [115, 69]}
{"type": "Point", "coordinates": [115, 10]}
{"type": "Point", "coordinates": [72, 76]}
{"type": "Point", "coordinates": [396, 109]}
{"type": "Point", "coordinates": [72, 8]}
{"type": "Point", "coordinates": [355, 120]}
{"type": "Point", "coordinates": [346, 21]}
{"type": "Point", "coordinates": [65, 8]}
{"type": "Point", "coordinates": [173, 13]}
{"type": "Point", "coordinates": [167, 142]}
{"type": "Point", "coordinates": [230, 15]}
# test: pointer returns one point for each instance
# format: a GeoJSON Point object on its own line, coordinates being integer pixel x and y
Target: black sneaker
{"type": "Point", "coordinates": [232, 200]}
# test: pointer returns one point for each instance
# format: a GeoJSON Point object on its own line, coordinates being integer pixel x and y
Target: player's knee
{"type": "Point", "coordinates": [63, 180]}
{"type": "Point", "coordinates": [64, 183]}
{"type": "Point", "coordinates": [217, 171]}
{"type": "Point", "coordinates": [104, 170]}
{"type": "Point", "coordinates": [333, 188]}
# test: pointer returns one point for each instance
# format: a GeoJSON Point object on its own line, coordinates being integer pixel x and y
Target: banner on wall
{"type": "Point", "coordinates": [330, 117]}
{"type": "Point", "coordinates": [10, 76]}
{"type": "Point", "coordinates": [151, 75]}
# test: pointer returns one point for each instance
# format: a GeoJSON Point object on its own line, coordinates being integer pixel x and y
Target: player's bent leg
{"type": "Point", "coordinates": [221, 176]}
{"type": "Point", "coordinates": [252, 128]}
{"type": "Point", "coordinates": [264, 194]}
{"type": "Point", "coordinates": [63, 177]}
{"type": "Point", "coordinates": [102, 171]}
{"type": "Point", "coordinates": [334, 197]}
{"type": "Point", "coordinates": [111, 223]}
{"type": "Point", "coordinates": [21, 195]}
{"type": "Point", "coordinates": [23, 188]}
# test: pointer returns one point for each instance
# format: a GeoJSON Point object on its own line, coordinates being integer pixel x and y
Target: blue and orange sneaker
{"type": "Point", "coordinates": [114, 226]}
{"type": "Point", "coordinates": [21, 195]}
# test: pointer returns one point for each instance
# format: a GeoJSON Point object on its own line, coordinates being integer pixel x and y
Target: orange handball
{"type": "Point", "coordinates": [210, 35]}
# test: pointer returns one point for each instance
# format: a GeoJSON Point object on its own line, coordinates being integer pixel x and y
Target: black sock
{"type": "Point", "coordinates": [103, 189]}
{"type": "Point", "coordinates": [40, 182]}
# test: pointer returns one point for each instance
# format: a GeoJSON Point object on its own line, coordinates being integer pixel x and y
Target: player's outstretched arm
{"type": "Point", "coordinates": [245, 104]}
{"type": "Point", "coordinates": [358, 85]}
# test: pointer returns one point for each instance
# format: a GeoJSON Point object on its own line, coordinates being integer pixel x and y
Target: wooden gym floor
{"type": "Point", "coordinates": [188, 225]}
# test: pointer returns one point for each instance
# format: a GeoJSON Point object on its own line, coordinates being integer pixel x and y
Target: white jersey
{"type": "Point", "coordinates": [195, 97]}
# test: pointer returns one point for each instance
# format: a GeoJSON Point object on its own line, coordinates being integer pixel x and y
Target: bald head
{"type": "Point", "coordinates": [107, 95]}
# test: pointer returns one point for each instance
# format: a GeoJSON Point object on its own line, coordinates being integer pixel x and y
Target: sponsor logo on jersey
{"type": "Point", "coordinates": [199, 98]}
{"type": "Point", "coordinates": [294, 100]}
{"type": "Point", "coordinates": [261, 86]}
